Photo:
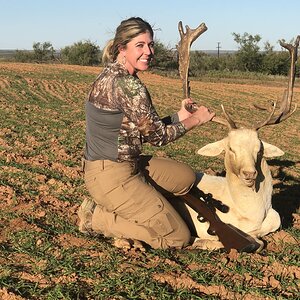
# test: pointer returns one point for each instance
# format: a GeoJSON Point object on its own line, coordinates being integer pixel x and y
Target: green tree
{"type": "Point", "coordinates": [249, 56]}
{"type": "Point", "coordinates": [268, 47]}
{"type": "Point", "coordinates": [81, 53]}
{"type": "Point", "coordinates": [198, 63]}
{"type": "Point", "coordinates": [276, 63]}
{"type": "Point", "coordinates": [164, 58]}
{"type": "Point", "coordinates": [43, 51]}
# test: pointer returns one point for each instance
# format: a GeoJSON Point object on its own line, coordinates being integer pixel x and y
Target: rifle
{"type": "Point", "coordinates": [230, 236]}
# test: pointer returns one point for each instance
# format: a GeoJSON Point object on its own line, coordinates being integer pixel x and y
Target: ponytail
{"type": "Point", "coordinates": [107, 55]}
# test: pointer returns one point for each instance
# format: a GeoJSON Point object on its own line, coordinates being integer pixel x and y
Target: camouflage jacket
{"type": "Point", "coordinates": [125, 117]}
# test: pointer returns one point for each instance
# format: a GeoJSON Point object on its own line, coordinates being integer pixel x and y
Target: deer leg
{"type": "Point", "coordinates": [270, 224]}
{"type": "Point", "coordinates": [204, 244]}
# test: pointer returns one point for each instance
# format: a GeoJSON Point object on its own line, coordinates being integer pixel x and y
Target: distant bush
{"type": "Point", "coordinates": [201, 63]}
{"type": "Point", "coordinates": [164, 57]}
{"type": "Point", "coordinates": [42, 52]}
{"type": "Point", "coordinates": [276, 63]}
{"type": "Point", "coordinates": [24, 56]}
{"type": "Point", "coordinates": [81, 53]}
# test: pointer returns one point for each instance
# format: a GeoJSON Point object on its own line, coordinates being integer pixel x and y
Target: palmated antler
{"type": "Point", "coordinates": [285, 107]}
{"type": "Point", "coordinates": [183, 48]}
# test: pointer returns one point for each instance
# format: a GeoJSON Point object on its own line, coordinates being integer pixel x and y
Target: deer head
{"type": "Point", "coordinates": [244, 153]}
{"type": "Point", "coordinates": [243, 149]}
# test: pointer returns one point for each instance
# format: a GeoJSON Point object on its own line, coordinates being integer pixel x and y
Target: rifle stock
{"type": "Point", "coordinates": [230, 236]}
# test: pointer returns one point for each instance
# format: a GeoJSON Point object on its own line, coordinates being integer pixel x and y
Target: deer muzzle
{"type": "Point", "coordinates": [248, 177]}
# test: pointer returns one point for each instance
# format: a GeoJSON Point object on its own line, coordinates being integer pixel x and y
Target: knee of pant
{"type": "Point", "coordinates": [172, 231]}
{"type": "Point", "coordinates": [182, 239]}
{"type": "Point", "coordinates": [187, 178]}
{"type": "Point", "coordinates": [185, 241]}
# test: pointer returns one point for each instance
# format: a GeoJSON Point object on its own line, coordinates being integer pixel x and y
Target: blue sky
{"type": "Point", "coordinates": [64, 22]}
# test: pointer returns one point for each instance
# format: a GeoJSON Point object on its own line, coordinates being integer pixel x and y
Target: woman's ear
{"type": "Point", "coordinates": [121, 50]}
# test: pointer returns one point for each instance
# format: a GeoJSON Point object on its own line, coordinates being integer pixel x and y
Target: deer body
{"type": "Point", "coordinates": [246, 190]}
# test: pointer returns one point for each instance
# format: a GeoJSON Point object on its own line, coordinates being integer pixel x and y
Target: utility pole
{"type": "Point", "coordinates": [219, 49]}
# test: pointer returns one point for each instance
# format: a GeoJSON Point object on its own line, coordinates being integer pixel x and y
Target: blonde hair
{"type": "Point", "coordinates": [126, 31]}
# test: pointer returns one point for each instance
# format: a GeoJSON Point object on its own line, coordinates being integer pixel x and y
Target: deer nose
{"type": "Point", "coordinates": [250, 174]}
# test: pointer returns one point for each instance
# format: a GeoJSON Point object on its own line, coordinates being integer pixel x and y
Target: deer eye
{"type": "Point", "coordinates": [260, 152]}
{"type": "Point", "coordinates": [231, 150]}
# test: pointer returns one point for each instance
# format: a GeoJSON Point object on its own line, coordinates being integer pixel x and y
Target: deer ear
{"type": "Point", "coordinates": [212, 149]}
{"type": "Point", "coordinates": [271, 151]}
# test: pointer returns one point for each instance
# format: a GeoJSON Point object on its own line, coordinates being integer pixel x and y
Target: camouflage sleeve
{"type": "Point", "coordinates": [134, 100]}
{"type": "Point", "coordinates": [171, 119]}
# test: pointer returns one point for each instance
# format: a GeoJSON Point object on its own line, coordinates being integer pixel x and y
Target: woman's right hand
{"type": "Point", "coordinates": [199, 117]}
{"type": "Point", "coordinates": [203, 115]}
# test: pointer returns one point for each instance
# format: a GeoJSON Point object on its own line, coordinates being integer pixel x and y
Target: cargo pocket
{"type": "Point", "coordinates": [163, 224]}
{"type": "Point", "coordinates": [149, 208]}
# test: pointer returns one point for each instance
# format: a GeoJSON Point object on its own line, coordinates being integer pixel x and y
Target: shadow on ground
{"type": "Point", "coordinates": [286, 198]}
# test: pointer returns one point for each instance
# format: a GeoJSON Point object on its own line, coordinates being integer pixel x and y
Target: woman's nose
{"type": "Point", "coordinates": [148, 50]}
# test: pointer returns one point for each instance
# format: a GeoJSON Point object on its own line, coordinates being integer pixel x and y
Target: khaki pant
{"type": "Point", "coordinates": [130, 201]}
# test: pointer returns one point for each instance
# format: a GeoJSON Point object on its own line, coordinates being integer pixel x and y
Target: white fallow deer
{"type": "Point", "coordinates": [246, 190]}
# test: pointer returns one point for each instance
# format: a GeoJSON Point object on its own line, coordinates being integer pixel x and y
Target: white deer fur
{"type": "Point", "coordinates": [246, 189]}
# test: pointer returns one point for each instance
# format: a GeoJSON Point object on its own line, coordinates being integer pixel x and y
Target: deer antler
{"type": "Point", "coordinates": [285, 105]}
{"type": "Point", "coordinates": [183, 48]}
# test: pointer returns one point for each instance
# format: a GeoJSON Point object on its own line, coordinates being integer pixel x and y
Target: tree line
{"type": "Point", "coordinates": [248, 58]}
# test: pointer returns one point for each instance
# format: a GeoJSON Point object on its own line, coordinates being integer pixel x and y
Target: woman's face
{"type": "Point", "coordinates": [138, 53]}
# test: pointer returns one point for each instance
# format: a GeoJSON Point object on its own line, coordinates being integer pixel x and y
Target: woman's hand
{"type": "Point", "coordinates": [203, 114]}
{"type": "Point", "coordinates": [183, 113]}
{"type": "Point", "coordinates": [199, 117]}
